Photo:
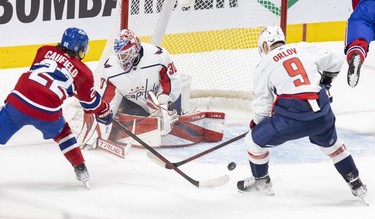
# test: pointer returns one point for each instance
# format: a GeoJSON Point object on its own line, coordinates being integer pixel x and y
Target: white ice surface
{"type": "Point", "coordinates": [37, 181]}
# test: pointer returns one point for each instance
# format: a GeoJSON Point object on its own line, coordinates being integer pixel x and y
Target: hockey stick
{"type": "Point", "coordinates": [177, 164]}
{"type": "Point", "coordinates": [200, 184]}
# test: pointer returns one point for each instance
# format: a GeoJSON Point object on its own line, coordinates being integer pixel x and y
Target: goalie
{"type": "Point", "coordinates": [138, 79]}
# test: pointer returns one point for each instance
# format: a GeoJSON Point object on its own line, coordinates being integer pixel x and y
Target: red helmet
{"type": "Point", "coordinates": [127, 47]}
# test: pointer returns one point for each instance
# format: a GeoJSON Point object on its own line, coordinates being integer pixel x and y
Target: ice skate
{"type": "Point", "coordinates": [357, 187]}
{"type": "Point", "coordinates": [262, 184]}
{"type": "Point", "coordinates": [82, 174]}
{"type": "Point", "coordinates": [355, 64]}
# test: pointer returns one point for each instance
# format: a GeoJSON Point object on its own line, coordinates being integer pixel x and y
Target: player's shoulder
{"type": "Point", "coordinates": [150, 49]}
{"type": "Point", "coordinates": [53, 53]}
{"type": "Point", "coordinates": [47, 47]}
{"type": "Point", "coordinates": [295, 48]}
{"type": "Point", "coordinates": [111, 67]}
{"type": "Point", "coordinates": [303, 46]}
{"type": "Point", "coordinates": [154, 54]}
{"type": "Point", "coordinates": [43, 50]}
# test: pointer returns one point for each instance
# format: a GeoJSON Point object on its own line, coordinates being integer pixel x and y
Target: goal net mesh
{"type": "Point", "coordinates": [213, 42]}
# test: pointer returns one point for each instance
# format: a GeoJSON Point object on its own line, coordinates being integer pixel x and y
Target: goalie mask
{"type": "Point", "coordinates": [76, 41]}
{"type": "Point", "coordinates": [270, 35]}
{"type": "Point", "coordinates": [127, 48]}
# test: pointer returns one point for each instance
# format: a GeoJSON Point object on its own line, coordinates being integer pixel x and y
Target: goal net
{"type": "Point", "coordinates": [214, 43]}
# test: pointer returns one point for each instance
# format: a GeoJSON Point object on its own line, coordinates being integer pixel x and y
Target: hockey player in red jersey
{"type": "Point", "coordinates": [56, 73]}
{"type": "Point", "coordinates": [360, 32]}
{"type": "Point", "coordinates": [291, 102]}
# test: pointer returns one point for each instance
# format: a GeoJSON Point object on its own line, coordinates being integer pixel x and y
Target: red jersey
{"type": "Point", "coordinates": [355, 3]}
{"type": "Point", "coordinates": [53, 77]}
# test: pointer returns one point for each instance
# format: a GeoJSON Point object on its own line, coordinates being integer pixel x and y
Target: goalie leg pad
{"type": "Point", "coordinates": [113, 147]}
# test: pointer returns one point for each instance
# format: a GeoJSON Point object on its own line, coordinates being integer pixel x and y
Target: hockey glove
{"type": "Point", "coordinates": [167, 116]}
{"type": "Point", "coordinates": [327, 78]}
{"type": "Point", "coordinates": [105, 116]}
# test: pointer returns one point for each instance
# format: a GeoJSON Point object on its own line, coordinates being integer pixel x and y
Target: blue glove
{"type": "Point", "coordinates": [105, 116]}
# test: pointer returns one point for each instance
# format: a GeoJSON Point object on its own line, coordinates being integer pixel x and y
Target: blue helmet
{"type": "Point", "coordinates": [76, 40]}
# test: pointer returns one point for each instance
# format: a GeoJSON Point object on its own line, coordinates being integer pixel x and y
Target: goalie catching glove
{"type": "Point", "coordinates": [159, 107]}
{"type": "Point", "coordinates": [105, 116]}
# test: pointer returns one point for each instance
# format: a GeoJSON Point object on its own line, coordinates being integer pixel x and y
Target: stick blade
{"type": "Point", "coordinates": [215, 182]}
{"type": "Point", "coordinates": [156, 160]}
{"type": "Point", "coordinates": [211, 183]}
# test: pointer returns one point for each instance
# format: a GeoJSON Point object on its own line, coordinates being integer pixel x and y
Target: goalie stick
{"type": "Point", "coordinates": [219, 181]}
{"type": "Point", "coordinates": [177, 164]}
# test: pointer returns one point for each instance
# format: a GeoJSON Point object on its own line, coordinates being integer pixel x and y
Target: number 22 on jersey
{"type": "Point", "coordinates": [55, 84]}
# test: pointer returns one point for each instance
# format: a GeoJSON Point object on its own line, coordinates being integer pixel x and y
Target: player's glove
{"type": "Point", "coordinates": [327, 78]}
{"type": "Point", "coordinates": [166, 104]}
{"type": "Point", "coordinates": [105, 116]}
{"type": "Point", "coordinates": [252, 124]}
{"type": "Point", "coordinates": [159, 107]}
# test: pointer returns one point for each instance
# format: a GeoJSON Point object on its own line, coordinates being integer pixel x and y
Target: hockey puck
{"type": "Point", "coordinates": [231, 166]}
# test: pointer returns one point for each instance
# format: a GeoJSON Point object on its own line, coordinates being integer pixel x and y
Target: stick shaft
{"type": "Point", "coordinates": [177, 164]}
{"type": "Point", "coordinates": [158, 155]}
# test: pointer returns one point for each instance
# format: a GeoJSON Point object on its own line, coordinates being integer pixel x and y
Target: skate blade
{"type": "Point", "coordinates": [269, 192]}
{"type": "Point", "coordinates": [353, 80]}
{"type": "Point", "coordinates": [353, 77]}
{"type": "Point", "coordinates": [365, 201]}
{"type": "Point", "coordinates": [86, 184]}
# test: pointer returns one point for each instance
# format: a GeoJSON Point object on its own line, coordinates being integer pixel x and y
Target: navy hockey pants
{"type": "Point", "coordinates": [12, 120]}
{"type": "Point", "coordinates": [278, 129]}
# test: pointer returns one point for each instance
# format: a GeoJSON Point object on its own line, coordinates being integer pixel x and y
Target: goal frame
{"type": "Point", "coordinates": [124, 16]}
{"type": "Point", "coordinates": [198, 96]}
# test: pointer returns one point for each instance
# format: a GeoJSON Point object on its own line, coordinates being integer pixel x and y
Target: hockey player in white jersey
{"type": "Point", "coordinates": [140, 79]}
{"type": "Point", "coordinates": [290, 102]}
{"type": "Point", "coordinates": [134, 70]}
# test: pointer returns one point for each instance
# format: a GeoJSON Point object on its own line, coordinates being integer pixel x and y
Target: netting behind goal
{"type": "Point", "coordinates": [213, 42]}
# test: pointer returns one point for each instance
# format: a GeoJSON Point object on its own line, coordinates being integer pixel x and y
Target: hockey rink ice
{"type": "Point", "coordinates": [37, 182]}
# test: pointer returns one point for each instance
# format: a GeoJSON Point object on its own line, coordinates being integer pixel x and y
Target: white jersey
{"type": "Point", "coordinates": [287, 70]}
{"type": "Point", "coordinates": [154, 72]}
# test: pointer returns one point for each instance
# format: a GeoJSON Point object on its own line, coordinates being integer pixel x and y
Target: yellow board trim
{"type": "Point", "coordinates": [22, 56]}
{"type": "Point", "coordinates": [316, 32]}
